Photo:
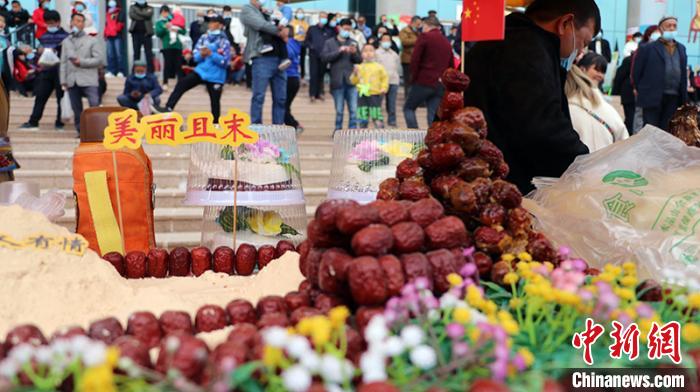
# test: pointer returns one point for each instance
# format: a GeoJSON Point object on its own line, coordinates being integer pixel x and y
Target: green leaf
{"type": "Point", "coordinates": [288, 230]}
{"type": "Point", "coordinates": [290, 169]}
{"type": "Point", "coordinates": [227, 153]}
{"type": "Point", "coordinates": [242, 374]}
{"type": "Point", "coordinates": [367, 166]}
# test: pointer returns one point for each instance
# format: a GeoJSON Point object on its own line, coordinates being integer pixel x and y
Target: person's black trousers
{"type": "Point", "coordinates": [302, 61]}
{"type": "Point", "coordinates": [141, 40]}
{"type": "Point", "coordinates": [292, 89]}
{"type": "Point", "coordinates": [172, 64]}
{"type": "Point", "coordinates": [629, 109]}
{"type": "Point", "coordinates": [249, 76]}
{"type": "Point", "coordinates": [45, 84]}
{"type": "Point", "coordinates": [191, 81]}
{"type": "Point", "coordinates": [406, 79]}
{"type": "Point", "coordinates": [317, 72]}
{"type": "Point", "coordinates": [661, 115]}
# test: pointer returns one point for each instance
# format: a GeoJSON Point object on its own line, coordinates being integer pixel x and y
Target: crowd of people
{"type": "Point", "coordinates": [365, 67]}
{"type": "Point", "coordinates": [362, 67]}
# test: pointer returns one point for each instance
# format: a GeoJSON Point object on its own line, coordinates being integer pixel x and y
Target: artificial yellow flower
{"type": "Point", "coordinates": [112, 357]}
{"type": "Point", "coordinates": [398, 149]}
{"type": "Point", "coordinates": [265, 222]}
{"type": "Point", "coordinates": [338, 315]}
{"type": "Point", "coordinates": [694, 300]}
{"type": "Point", "coordinates": [321, 332]}
{"type": "Point", "coordinates": [550, 266]}
{"type": "Point", "coordinates": [629, 281]}
{"type": "Point", "coordinates": [454, 279]}
{"type": "Point", "coordinates": [507, 257]}
{"type": "Point", "coordinates": [473, 295]}
{"type": "Point", "coordinates": [461, 315]}
{"type": "Point", "coordinates": [510, 278]}
{"type": "Point", "coordinates": [691, 333]}
{"type": "Point", "coordinates": [627, 294]}
{"type": "Point", "coordinates": [489, 307]}
{"type": "Point", "coordinates": [524, 256]}
{"type": "Point", "coordinates": [515, 303]}
{"type": "Point", "coordinates": [527, 356]}
{"type": "Point", "coordinates": [629, 267]}
{"type": "Point", "coordinates": [305, 326]}
{"type": "Point", "coordinates": [98, 379]}
{"type": "Point", "coordinates": [474, 335]}
{"type": "Point", "coordinates": [272, 356]}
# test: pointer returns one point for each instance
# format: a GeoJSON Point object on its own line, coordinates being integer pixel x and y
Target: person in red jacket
{"type": "Point", "coordinates": [38, 18]}
{"type": "Point", "coordinates": [114, 25]}
{"type": "Point", "coordinates": [431, 56]}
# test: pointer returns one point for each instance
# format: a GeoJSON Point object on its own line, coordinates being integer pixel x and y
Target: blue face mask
{"type": "Point", "coordinates": [568, 62]}
{"type": "Point", "coordinates": [45, 5]}
{"type": "Point", "coordinates": [333, 23]}
{"type": "Point", "coordinates": [669, 35]}
{"type": "Point", "coordinates": [74, 30]}
{"type": "Point", "coordinates": [140, 75]}
{"type": "Point", "coordinates": [112, 4]}
{"type": "Point", "coordinates": [300, 15]}
{"type": "Point", "coordinates": [654, 36]}
{"type": "Point", "coordinates": [30, 56]}
{"type": "Point", "coordinates": [215, 32]}
{"type": "Point", "coordinates": [386, 45]}
{"type": "Point", "coordinates": [344, 33]}
{"type": "Point", "coordinates": [52, 29]}
{"type": "Point", "coordinates": [141, 2]}
{"type": "Point", "coordinates": [323, 21]}
{"type": "Point", "coordinates": [79, 7]}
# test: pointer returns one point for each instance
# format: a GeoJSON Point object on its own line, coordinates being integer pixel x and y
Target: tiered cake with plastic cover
{"type": "Point", "coordinates": [363, 158]}
{"type": "Point", "coordinates": [269, 198]}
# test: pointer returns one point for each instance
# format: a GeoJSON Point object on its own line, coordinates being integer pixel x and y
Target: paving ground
{"type": "Point", "coordinates": [45, 156]}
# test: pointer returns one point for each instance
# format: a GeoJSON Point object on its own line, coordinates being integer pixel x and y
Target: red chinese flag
{"type": "Point", "coordinates": [483, 20]}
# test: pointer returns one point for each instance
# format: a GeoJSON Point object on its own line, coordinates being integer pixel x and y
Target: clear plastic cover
{"type": "Point", "coordinates": [268, 171]}
{"type": "Point", "coordinates": [255, 225]}
{"type": "Point", "coordinates": [363, 158]}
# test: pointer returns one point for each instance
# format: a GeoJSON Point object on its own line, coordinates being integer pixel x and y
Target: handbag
{"type": "Point", "coordinates": [48, 58]}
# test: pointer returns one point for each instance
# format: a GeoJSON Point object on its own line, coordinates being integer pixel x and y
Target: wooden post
{"type": "Point", "coordinates": [235, 197]}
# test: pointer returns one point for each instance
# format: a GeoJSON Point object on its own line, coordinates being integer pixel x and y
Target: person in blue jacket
{"type": "Point", "coordinates": [138, 85]}
{"type": "Point", "coordinates": [212, 54]}
{"type": "Point", "coordinates": [294, 52]}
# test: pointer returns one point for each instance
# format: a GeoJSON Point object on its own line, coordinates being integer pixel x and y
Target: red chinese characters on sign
{"type": "Point", "coordinates": [235, 129]}
{"type": "Point", "coordinates": [626, 340]}
{"type": "Point", "coordinates": [665, 341]}
{"type": "Point", "coordinates": [163, 128]}
{"type": "Point", "coordinates": [587, 338]}
{"type": "Point", "coordinates": [123, 130]}
{"type": "Point", "coordinates": [200, 128]}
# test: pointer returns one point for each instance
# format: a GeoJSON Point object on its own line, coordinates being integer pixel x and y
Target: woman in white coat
{"type": "Point", "coordinates": [596, 121]}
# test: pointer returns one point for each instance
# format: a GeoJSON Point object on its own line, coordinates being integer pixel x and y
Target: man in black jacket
{"type": "Point", "coordinates": [316, 38]}
{"type": "Point", "coordinates": [519, 84]}
{"type": "Point", "coordinates": [601, 46]}
{"type": "Point", "coordinates": [622, 86]}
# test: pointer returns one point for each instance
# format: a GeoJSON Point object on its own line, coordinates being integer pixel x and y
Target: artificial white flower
{"type": "Point", "coordinates": [412, 335]}
{"type": "Point", "coordinates": [296, 378]}
{"type": "Point", "coordinates": [172, 343]}
{"type": "Point", "coordinates": [297, 346]}
{"type": "Point", "coordinates": [8, 368]}
{"type": "Point", "coordinates": [60, 347]}
{"type": "Point", "coordinates": [372, 359]}
{"type": "Point", "coordinates": [423, 357]}
{"type": "Point", "coordinates": [448, 301]}
{"type": "Point", "coordinates": [311, 361]}
{"type": "Point", "coordinates": [43, 355]}
{"type": "Point", "coordinates": [374, 375]}
{"type": "Point", "coordinates": [275, 336]}
{"type": "Point", "coordinates": [125, 363]}
{"type": "Point", "coordinates": [330, 387]}
{"type": "Point", "coordinates": [22, 353]}
{"type": "Point", "coordinates": [94, 354]}
{"type": "Point", "coordinates": [335, 370]}
{"type": "Point", "coordinates": [78, 344]}
{"type": "Point", "coordinates": [376, 329]}
{"type": "Point", "coordinates": [393, 346]}
{"type": "Point", "coordinates": [433, 315]}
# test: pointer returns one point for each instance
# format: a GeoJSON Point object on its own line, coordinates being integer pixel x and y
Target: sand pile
{"type": "Point", "coordinates": [52, 289]}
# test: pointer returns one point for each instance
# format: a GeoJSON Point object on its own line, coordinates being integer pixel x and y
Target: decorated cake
{"type": "Point", "coordinates": [264, 172]}
{"type": "Point", "coordinates": [362, 159]}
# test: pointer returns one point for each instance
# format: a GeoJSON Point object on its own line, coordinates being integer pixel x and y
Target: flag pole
{"type": "Point", "coordinates": [461, 61]}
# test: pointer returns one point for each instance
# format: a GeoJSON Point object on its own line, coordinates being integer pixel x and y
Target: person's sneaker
{"type": "Point", "coordinates": [299, 129]}
{"type": "Point", "coordinates": [312, 99]}
{"type": "Point", "coordinates": [109, 75]}
{"type": "Point", "coordinates": [29, 127]}
{"type": "Point", "coordinates": [59, 126]}
{"type": "Point", "coordinates": [120, 75]}
{"type": "Point", "coordinates": [267, 49]}
{"type": "Point", "coordinates": [161, 109]}
{"type": "Point", "coordinates": [284, 64]}
{"type": "Point", "coordinates": [164, 87]}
